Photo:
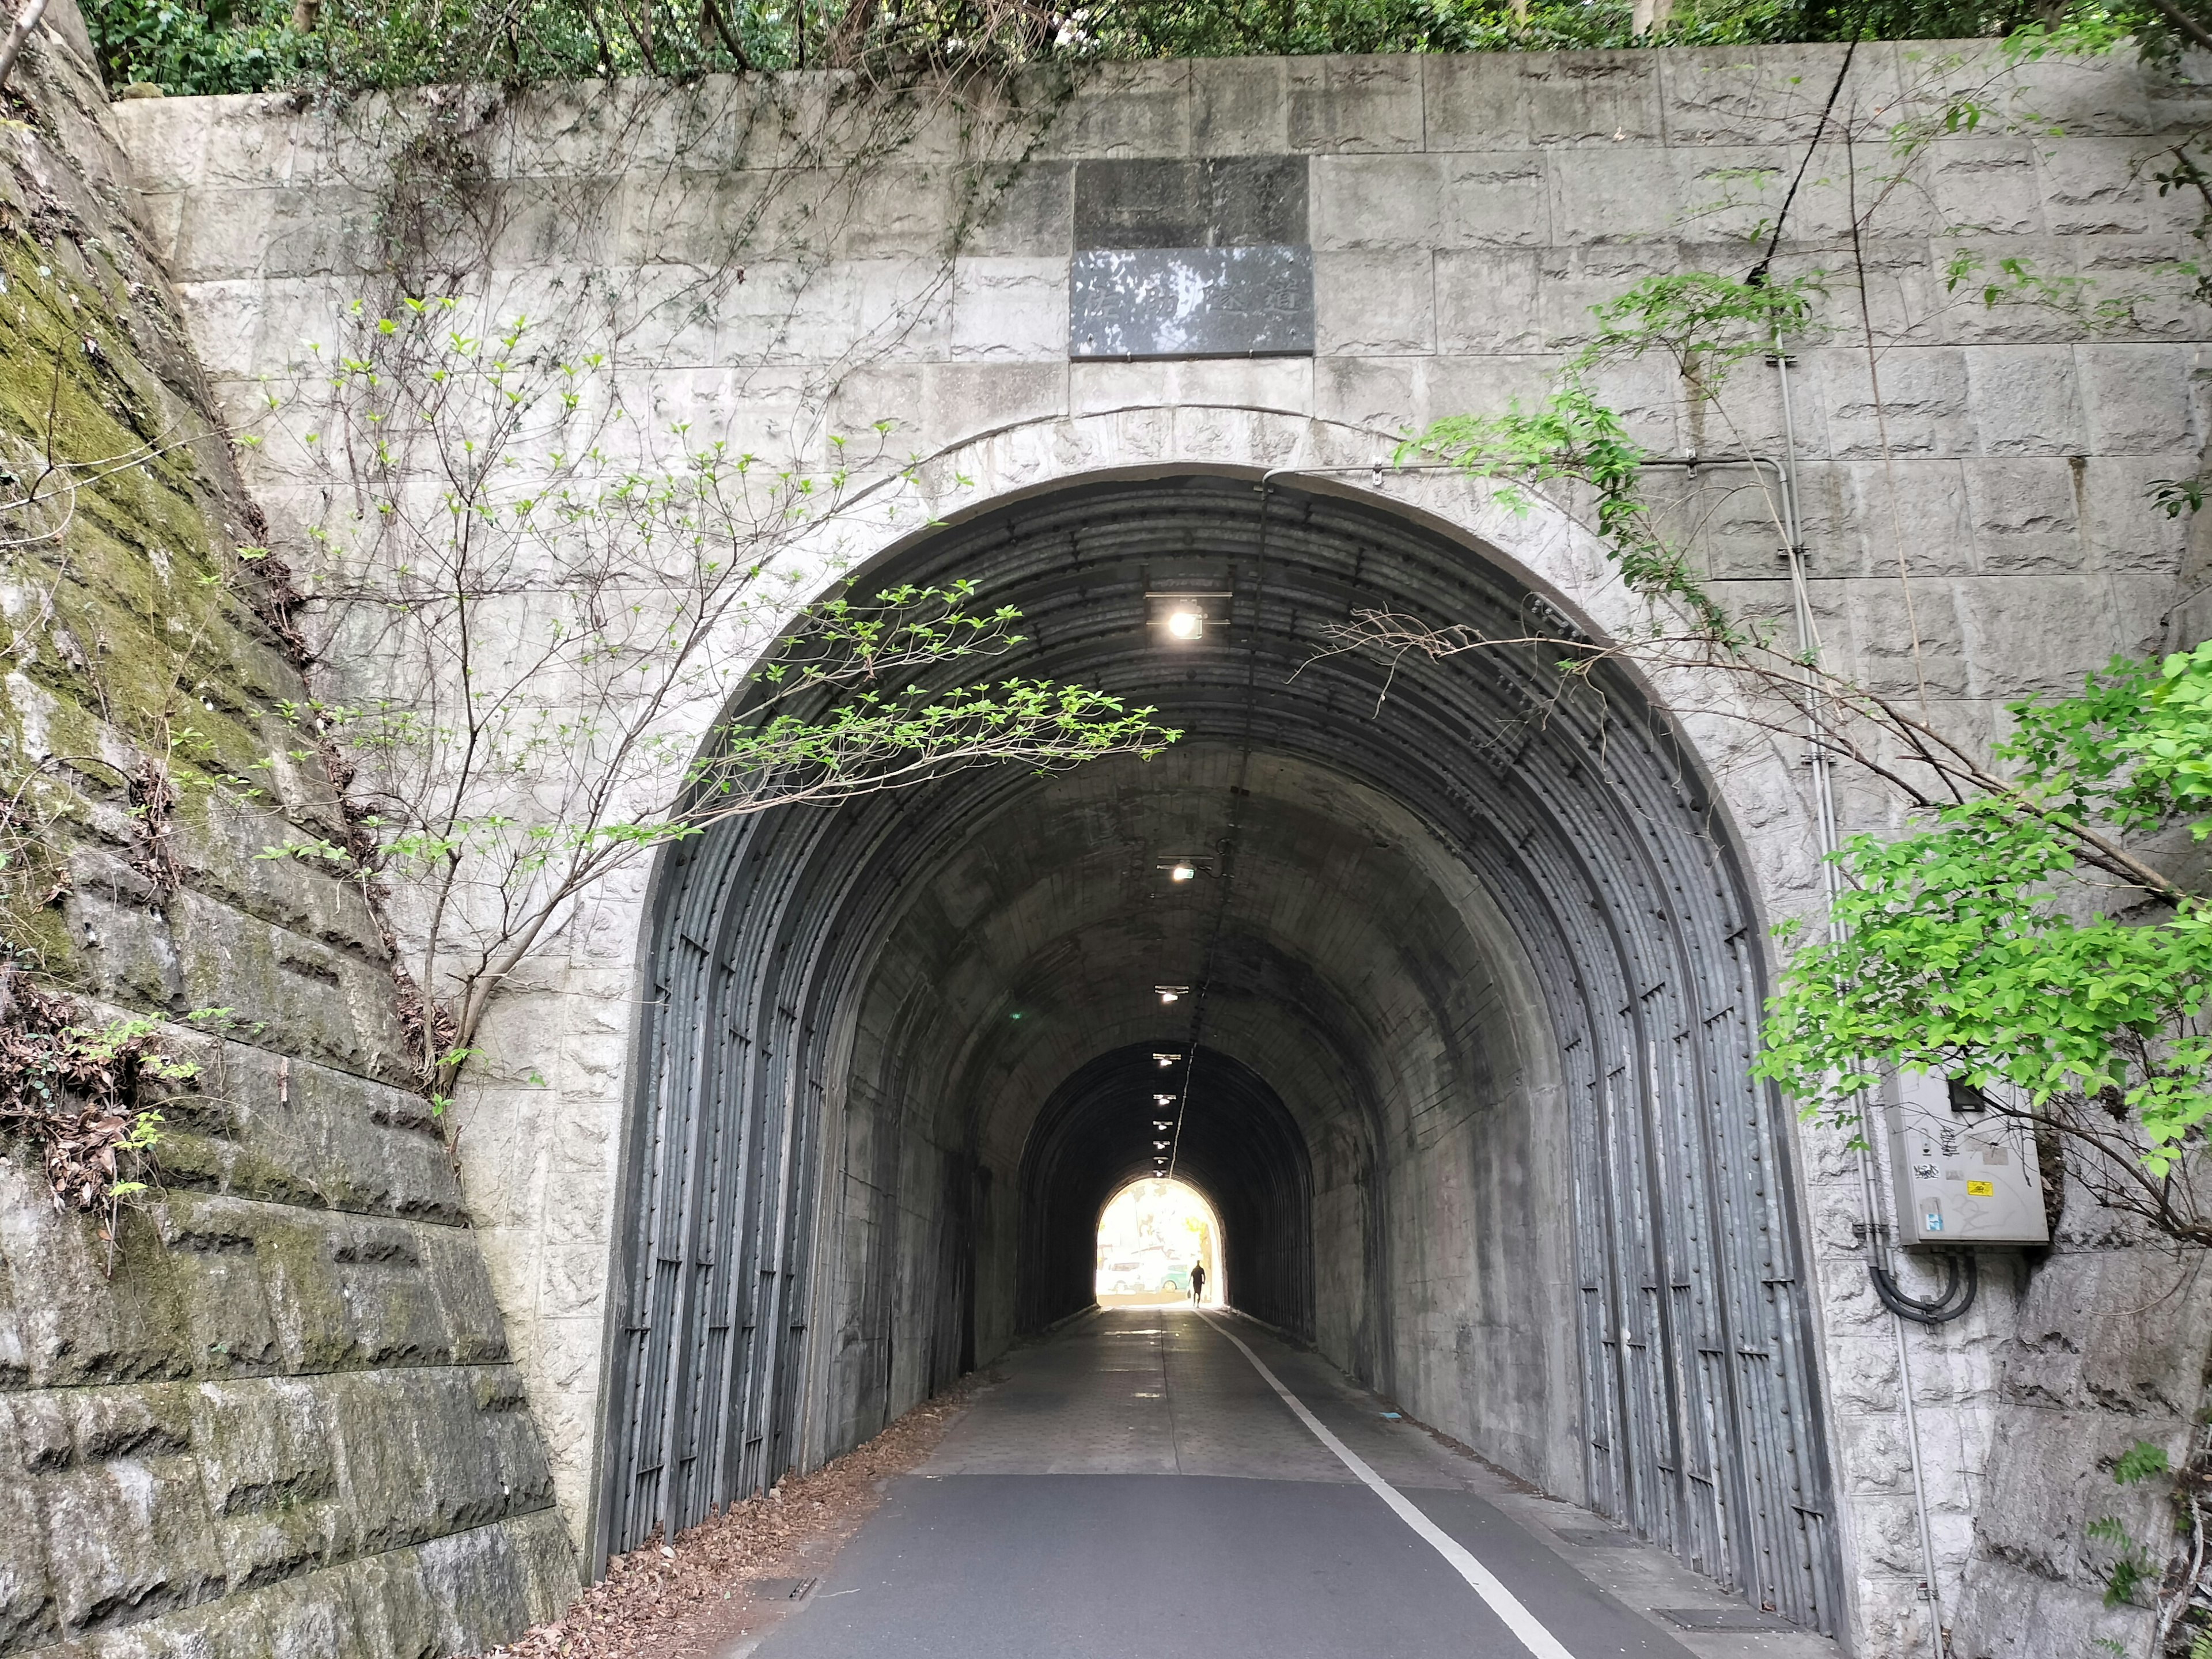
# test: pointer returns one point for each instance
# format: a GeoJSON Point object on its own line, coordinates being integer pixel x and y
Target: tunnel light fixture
{"type": "Point", "coordinates": [1167, 1060]}
{"type": "Point", "coordinates": [1162, 1123]}
{"type": "Point", "coordinates": [1171, 992]}
{"type": "Point", "coordinates": [1182, 872]}
{"type": "Point", "coordinates": [1183, 617]}
{"type": "Point", "coordinates": [1163, 1100]}
{"type": "Point", "coordinates": [1162, 1145]}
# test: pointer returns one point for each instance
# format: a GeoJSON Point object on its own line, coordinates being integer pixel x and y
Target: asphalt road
{"type": "Point", "coordinates": [1138, 1490]}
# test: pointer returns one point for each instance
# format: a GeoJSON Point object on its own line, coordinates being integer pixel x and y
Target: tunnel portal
{"type": "Point", "coordinates": [1471, 983]}
{"type": "Point", "coordinates": [1240, 1147]}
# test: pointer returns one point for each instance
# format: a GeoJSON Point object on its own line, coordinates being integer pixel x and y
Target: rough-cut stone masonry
{"type": "Point", "coordinates": [1462, 213]}
{"type": "Point", "coordinates": [289, 1422]}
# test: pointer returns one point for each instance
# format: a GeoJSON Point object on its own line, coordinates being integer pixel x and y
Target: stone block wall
{"type": "Point", "coordinates": [280, 1416]}
{"type": "Point", "coordinates": [1972, 485]}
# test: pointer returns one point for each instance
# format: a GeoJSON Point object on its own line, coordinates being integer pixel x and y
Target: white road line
{"type": "Point", "coordinates": [1502, 1602]}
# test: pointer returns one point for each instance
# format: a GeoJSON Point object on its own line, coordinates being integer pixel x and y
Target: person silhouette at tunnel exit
{"type": "Point", "coordinates": [1198, 1281]}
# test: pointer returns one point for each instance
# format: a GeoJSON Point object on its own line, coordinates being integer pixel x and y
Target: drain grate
{"type": "Point", "coordinates": [1595, 1538]}
{"type": "Point", "coordinates": [780, 1589]}
{"type": "Point", "coordinates": [1724, 1618]}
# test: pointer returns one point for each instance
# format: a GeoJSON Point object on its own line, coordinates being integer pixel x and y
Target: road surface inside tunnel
{"type": "Point", "coordinates": [1136, 1488]}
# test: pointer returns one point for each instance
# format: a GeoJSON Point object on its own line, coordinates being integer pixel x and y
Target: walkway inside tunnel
{"type": "Point", "coordinates": [1136, 1485]}
{"type": "Point", "coordinates": [1438, 979]}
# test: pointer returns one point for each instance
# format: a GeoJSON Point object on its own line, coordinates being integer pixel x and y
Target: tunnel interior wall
{"type": "Point", "coordinates": [1473, 989]}
{"type": "Point", "coordinates": [1407, 1209]}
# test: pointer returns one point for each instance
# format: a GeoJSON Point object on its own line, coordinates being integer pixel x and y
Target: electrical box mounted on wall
{"type": "Point", "coordinates": [1965, 1174]}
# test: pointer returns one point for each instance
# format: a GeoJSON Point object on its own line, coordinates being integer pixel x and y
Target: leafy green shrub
{"type": "Point", "coordinates": [239, 46]}
{"type": "Point", "coordinates": [187, 49]}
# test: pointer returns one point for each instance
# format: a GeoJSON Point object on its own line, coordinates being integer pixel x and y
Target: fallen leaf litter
{"type": "Point", "coordinates": [686, 1599]}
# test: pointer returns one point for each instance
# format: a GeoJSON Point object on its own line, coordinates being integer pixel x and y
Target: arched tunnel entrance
{"type": "Point", "coordinates": [1239, 1145]}
{"type": "Point", "coordinates": [1155, 1237]}
{"type": "Point", "coordinates": [1466, 976]}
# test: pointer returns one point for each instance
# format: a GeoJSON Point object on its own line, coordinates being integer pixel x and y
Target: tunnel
{"type": "Point", "coordinates": [1465, 974]}
{"type": "Point", "coordinates": [1239, 1146]}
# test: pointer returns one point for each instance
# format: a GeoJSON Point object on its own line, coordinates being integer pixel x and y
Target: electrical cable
{"type": "Point", "coordinates": [1962, 1266]}
{"type": "Point", "coordinates": [1821, 762]}
{"type": "Point", "coordinates": [1226, 848]}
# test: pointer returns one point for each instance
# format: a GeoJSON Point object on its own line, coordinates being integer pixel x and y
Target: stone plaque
{"type": "Point", "coordinates": [1192, 302]}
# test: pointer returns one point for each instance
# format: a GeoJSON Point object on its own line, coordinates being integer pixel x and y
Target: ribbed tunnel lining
{"type": "Point", "coordinates": [1571, 806]}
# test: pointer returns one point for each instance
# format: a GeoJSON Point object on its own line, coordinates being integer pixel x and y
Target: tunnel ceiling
{"type": "Point", "coordinates": [1417, 869]}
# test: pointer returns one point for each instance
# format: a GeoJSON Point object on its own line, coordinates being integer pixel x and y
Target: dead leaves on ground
{"type": "Point", "coordinates": [659, 1601]}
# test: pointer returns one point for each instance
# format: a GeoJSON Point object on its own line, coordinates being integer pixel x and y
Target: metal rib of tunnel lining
{"type": "Point", "coordinates": [1585, 821]}
{"type": "Point", "coordinates": [1241, 1151]}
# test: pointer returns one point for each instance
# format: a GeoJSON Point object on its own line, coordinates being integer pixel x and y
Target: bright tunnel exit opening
{"type": "Point", "coordinates": [1159, 1243]}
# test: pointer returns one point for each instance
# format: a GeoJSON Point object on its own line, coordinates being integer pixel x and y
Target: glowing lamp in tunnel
{"type": "Point", "coordinates": [1166, 1060]}
{"type": "Point", "coordinates": [1171, 992]}
{"type": "Point", "coordinates": [1163, 1100]}
{"type": "Point", "coordinates": [1161, 1144]}
{"type": "Point", "coordinates": [1182, 617]}
{"type": "Point", "coordinates": [1161, 1122]}
{"type": "Point", "coordinates": [1184, 873]}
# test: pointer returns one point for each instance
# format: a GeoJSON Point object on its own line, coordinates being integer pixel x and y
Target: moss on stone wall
{"type": "Point", "coordinates": [286, 1405]}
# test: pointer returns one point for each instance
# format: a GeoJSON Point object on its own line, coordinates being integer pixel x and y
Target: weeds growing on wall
{"type": "Point", "coordinates": [73, 1089]}
{"type": "Point", "coordinates": [562, 601]}
{"type": "Point", "coordinates": [125, 708]}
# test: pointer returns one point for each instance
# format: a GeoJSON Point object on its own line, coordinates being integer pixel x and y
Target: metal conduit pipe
{"type": "Point", "coordinates": [1817, 758]}
{"type": "Point", "coordinates": [1585, 818]}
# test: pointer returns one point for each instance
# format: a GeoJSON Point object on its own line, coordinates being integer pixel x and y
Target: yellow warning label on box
{"type": "Point", "coordinates": [1981, 1189]}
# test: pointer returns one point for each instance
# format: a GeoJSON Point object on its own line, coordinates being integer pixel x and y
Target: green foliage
{"type": "Point", "coordinates": [1968, 954]}
{"type": "Point", "coordinates": [73, 1088]}
{"type": "Point", "coordinates": [1227, 28]}
{"type": "Point", "coordinates": [2175, 496]}
{"type": "Point", "coordinates": [2132, 1568]}
{"type": "Point", "coordinates": [2016, 281]}
{"type": "Point", "coordinates": [230, 46]}
{"type": "Point", "coordinates": [187, 49]}
{"type": "Point", "coordinates": [2131, 749]}
{"type": "Point", "coordinates": [1573, 438]}
{"type": "Point", "coordinates": [2140, 1462]}
{"type": "Point", "coordinates": [1705, 325]}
